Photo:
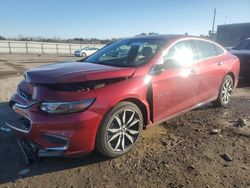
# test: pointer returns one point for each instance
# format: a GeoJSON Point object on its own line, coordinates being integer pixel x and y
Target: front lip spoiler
{"type": "Point", "coordinates": [50, 153]}
{"type": "Point", "coordinates": [63, 148]}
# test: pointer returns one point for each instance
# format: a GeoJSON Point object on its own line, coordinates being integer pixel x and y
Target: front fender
{"type": "Point", "coordinates": [108, 96]}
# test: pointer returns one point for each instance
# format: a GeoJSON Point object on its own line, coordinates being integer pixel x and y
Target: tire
{"type": "Point", "coordinates": [225, 92]}
{"type": "Point", "coordinates": [84, 54]}
{"type": "Point", "coordinates": [117, 133]}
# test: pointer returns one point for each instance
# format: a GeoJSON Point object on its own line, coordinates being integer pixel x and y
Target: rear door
{"type": "Point", "coordinates": [212, 62]}
{"type": "Point", "coordinates": [176, 88]}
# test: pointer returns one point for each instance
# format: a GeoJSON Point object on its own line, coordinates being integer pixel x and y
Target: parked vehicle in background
{"type": "Point", "coordinates": [242, 51]}
{"type": "Point", "coordinates": [104, 102]}
{"type": "Point", "coordinates": [85, 52]}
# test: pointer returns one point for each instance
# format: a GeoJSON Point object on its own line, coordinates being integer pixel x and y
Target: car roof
{"type": "Point", "coordinates": [174, 37]}
{"type": "Point", "coordinates": [166, 37]}
{"type": "Point", "coordinates": [163, 37]}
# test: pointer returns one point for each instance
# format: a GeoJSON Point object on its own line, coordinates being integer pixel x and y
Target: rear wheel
{"type": "Point", "coordinates": [120, 130]}
{"type": "Point", "coordinates": [225, 92]}
{"type": "Point", "coordinates": [84, 54]}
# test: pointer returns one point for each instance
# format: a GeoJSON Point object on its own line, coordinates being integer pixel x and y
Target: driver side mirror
{"type": "Point", "coordinates": [167, 64]}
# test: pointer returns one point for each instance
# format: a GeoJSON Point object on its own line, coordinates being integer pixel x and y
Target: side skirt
{"type": "Point", "coordinates": [181, 112]}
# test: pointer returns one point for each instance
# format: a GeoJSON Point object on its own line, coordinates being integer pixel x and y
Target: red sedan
{"type": "Point", "coordinates": [106, 100]}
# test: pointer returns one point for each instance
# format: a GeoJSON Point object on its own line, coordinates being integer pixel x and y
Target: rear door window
{"type": "Point", "coordinates": [205, 49]}
{"type": "Point", "coordinates": [218, 49]}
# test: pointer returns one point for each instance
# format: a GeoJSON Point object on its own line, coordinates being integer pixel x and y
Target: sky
{"type": "Point", "coordinates": [116, 18]}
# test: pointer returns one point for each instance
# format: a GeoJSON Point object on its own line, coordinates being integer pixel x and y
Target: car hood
{"type": "Point", "coordinates": [71, 72]}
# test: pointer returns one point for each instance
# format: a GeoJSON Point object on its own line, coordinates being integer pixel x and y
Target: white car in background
{"type": "Point", "coordinates": [85, 51]}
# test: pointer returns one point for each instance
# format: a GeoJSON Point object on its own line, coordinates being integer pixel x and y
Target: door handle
{"type": "Point", "coordinates": [194, 70]}
{"type": "Point", "coordinates": [220, 63]}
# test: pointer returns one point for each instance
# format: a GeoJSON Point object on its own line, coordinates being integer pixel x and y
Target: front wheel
{"type": "Point", "coordinates": [119, 130]}
{"type": "Point", "coordinates": [225, 92]}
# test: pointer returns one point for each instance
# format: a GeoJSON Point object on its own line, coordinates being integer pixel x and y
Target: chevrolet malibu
{"type": "Point", "coordinates": [104, 102]}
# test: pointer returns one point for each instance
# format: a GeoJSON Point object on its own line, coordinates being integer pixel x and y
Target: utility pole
{"type": "Point", "coordinates": [225, 20]}
{"type": "Point", "coordinates": [212, 34]}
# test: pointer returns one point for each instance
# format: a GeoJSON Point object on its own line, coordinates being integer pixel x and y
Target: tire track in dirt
{"type": "Point", "coordinates": [12, 69]}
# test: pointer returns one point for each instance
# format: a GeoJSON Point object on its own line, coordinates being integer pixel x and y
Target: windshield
{"type": "Point", "coordinates": [245, 45]}
{"type": "Point", "coordinates": [85, 48]}
{"type": "Point", "coordinates": [127, 52]}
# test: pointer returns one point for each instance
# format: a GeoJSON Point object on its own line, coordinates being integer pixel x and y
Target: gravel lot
{"type": "Point", "coordinates": [207, 147]}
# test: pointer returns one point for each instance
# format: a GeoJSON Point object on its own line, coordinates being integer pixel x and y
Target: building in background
{"type": "Point", "coordinates": [231, 35]}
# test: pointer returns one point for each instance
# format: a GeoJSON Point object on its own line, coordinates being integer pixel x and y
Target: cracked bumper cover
{"type": "Point", "coordinates": [56, 135]}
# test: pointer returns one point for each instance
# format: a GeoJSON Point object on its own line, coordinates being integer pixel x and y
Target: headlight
{"type": "Point", "coordinates": [66, 107]}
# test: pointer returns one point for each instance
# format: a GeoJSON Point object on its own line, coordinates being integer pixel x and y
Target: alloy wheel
{"type": "Point", "coordinates": [123, 130]}
{"type": "Point", "coordinates": [227, 90]}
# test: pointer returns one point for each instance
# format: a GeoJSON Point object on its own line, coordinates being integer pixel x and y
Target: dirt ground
{"type": "Point", "coordinates": [186, 151]}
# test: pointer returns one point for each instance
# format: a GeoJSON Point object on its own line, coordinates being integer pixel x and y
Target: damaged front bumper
{"type": "Point", "coordinates": [32, 152]}
{"type": "Point", "coordinates": [23, 125]}
{"type": "Point", "coordinates": [53, 135]}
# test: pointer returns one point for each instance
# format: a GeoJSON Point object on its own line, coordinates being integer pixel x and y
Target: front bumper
{"type": "Point", "coordinates": [64, 134]}
{"type": "Point", "coordinates": [78, 54]}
